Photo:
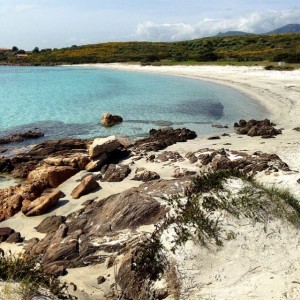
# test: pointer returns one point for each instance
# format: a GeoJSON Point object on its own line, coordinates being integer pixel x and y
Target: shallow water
{"type": "Point", "coordinates": [69, 102]}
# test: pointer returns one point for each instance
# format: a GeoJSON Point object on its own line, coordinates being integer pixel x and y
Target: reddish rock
{"type": "Point", "coordinates": [51, 175]}
{"type": "Point", "coordinates": [87, 185]}
{"type": "Point", "coordinates": [42, 204]}
{"type": "Point", "coordinates": [109, 120]}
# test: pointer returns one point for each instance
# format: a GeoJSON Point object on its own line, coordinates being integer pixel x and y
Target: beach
{"type": "Point", "coordinates": [262, 262]}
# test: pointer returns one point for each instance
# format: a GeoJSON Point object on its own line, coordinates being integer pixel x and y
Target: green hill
{"type": "Point", "coordinates": [229, 48]}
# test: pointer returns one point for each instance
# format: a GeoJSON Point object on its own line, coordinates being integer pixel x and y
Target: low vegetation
{"type": "Point", "coordinates": [249, 48]}
{"type": "Point", "coordinates": [201, 216]}
{"type": "Point", "coordinates": [24, 277]}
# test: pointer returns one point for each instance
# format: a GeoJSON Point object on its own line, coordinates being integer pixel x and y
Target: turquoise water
{"type": "Point", "coordinates": [69, 102]}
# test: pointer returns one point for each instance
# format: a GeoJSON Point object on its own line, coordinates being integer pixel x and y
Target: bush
{"type": "Point", "coordinates": [30, 274]}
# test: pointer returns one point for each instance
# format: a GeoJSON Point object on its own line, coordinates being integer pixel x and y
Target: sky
{"type": "Point", "coordinates": [61, 23]}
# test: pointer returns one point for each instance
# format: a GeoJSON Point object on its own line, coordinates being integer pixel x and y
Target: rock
{"type": "Point", "coordinates": [109, 120]}
{"type": "Point", "coordinates": [5, 232]}
{"type": "Point", "coordinates": [51, 175]}
{"type": "Point", "coordinates": [116, 173]}
{"type": "Point", "coordinates": [55, 269]}
{"type": "Point", "coordinates": [146, 176]}
{"type": "Point", "coordinates": [298, 180]}
{"type": "Point", "coordinates": [110, 261]}
{"type": "Point", "coordinates": [20, 137]}
{"type": "Point", "coordinates": [101, 279]}
{"type": "Point", "coordinates": [87, 185]}
{"type": "Point", "coordinates": [161, 139]}
{"type": "Point", "coordinates": [97, 164]}
{"type": "Point", "coordinates": [219, 126]}
{"type": "Point", "coordinates": [216, 137]}
{"type": "Point", "coordinates": [264, 128]}
{"type": "Point", "coordinates": [5, 165]}
{"type": "Point", "coordinates": [297, 129]}
{"type": "Point", "coordinates": [14, 238]}
{"type": "Point", "coordinates": [102, 145]}
{"type": "Point", "coordinates": [42, 204]}
{"type": "Point", "coordinates": [169, 155]}
{"type": "Point", "coordinates": [50, 224]}
{"type": "Point", "coordinates": [193, 159]}
{"type": "Point", "coordinates": [183, 172]}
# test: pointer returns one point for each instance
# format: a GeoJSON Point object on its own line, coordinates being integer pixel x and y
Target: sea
{"type": "Point", "coordinates": [68, 102]}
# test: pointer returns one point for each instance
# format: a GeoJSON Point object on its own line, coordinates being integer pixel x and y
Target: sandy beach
{"type": "Point", "coordinates": [260, 263]}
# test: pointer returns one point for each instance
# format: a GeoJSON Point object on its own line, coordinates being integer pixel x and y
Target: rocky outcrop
{"type": "Point", "coordinates": [146, 176]}
{"type": "Point", "coordinates": [42, 204]}
{"type": "Point", "coordinates": [102, 145]}
{"type": "Point", "coordinates": [97, 164]}
{"type": "Point", "coordinates": [115, 173]}
{"type": "Point", "coordinates": [262, 128]}
{"type": "Point", "coordinates": [50, 224]}
{"type": "Point", "coordinates": [246, 163]}
{"type": "Point", "coordinates": [87, 185]}
{"type": "Point", "coordinates": [20, 137]}
{"type": "Point", "coordinates": [162, 138]}
{"type": "Point", "coordinates": [96, 232]}
{"type": "Point", "coordinates": [24, 163]}
{"type": "Point", "coordinates": [109, 120]}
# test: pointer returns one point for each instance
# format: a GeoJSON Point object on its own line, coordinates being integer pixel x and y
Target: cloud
{"type": "Point", "coordinates": [254, 22]}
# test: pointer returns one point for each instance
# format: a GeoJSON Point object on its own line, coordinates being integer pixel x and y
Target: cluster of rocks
{"type": "Point", "coordinates": [162, 138]}
{"type": "Point", "coordinates": [8, 235]}
{"type": "Point", "coordinates": [20, 137]}
{"type": "Point", "coordinates": [238, 160]}
{"type": "Point", "coordinates": [51, 163]}
{"type": "Point", "coordinates": [264, 128]}
{"type": "Point", "coordinates": [77, 240]}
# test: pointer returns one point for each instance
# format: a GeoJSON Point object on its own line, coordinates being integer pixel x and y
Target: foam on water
{"type": "Point", "coordinates": [69, 102]}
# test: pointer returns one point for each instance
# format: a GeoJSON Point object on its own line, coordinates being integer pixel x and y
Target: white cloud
{"type": "Point", "coordinates": [255, 22]}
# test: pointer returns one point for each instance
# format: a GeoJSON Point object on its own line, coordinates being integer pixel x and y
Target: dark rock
{"type": "Point", "coordinates": [262, 128]}
{"type": "Point", "coordinates": [14, 238]}
{"type": "Point", "coordinates": [87, 185]}
{"type": "Point", "coordinates": [297, 129]}
{"type": "Point", "coordinates": [115, 173]}
{"type": "Point", "coordinates": [109, 120]}
{"type": "Point", "coordinates": [50, 224]}
{"type": "Point", "coordinates": [298, 180]}
{"type": "Point", "coordinates": [101, 279]}
{"type": "Point", "coordinates": [146, 176]}
{"type": "Point", "coordinates": [216, 137]}
{"type": "Point", "coordinates": [161, 139]}
{"type": "Point", "coordinates": [5, 232]}
{"type": "Point", "coordinates": [20, 137]}
{"type": "Point", "coordinates": [219, 126]}
{"type": "Point", "coordinates": [5, 165]}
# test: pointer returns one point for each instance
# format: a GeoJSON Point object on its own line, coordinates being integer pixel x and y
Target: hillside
{"type": "Point", "coordinates": [290, 28]}
{"type": "Point", "coordinates": [232, 48]}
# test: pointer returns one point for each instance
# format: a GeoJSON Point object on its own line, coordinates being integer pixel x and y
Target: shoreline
{"type": "Point", "coordinates": [255, 82]}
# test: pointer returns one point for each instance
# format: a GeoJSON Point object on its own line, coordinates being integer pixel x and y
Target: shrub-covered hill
{"type": "Point", "coordinates": [234, 48]}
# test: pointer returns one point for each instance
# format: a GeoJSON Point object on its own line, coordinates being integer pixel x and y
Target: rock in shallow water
{"type": "Point", "coordinates": [109, 120]}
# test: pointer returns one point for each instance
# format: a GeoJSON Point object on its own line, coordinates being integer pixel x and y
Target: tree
{"type": "Point", "coordinates": [36, 50]}
{"type": "Point", "coordinates": [14, 49]}
{"type": "Point", "coordinates": [21, 51]}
